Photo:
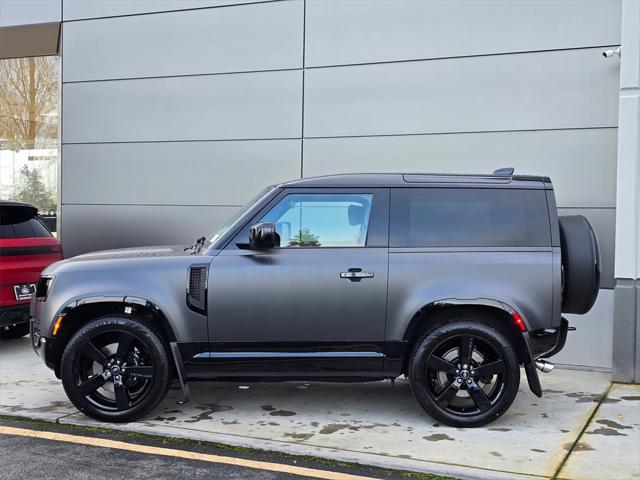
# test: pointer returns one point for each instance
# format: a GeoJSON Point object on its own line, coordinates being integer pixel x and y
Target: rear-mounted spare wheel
{"type": "Point", "coordinates": [580, 264]}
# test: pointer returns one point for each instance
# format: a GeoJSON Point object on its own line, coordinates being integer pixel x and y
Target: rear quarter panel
{"type": "Point", "coordinates": [519, 277]}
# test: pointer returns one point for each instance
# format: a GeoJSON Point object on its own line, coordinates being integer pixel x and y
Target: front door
{"type": "Point", "coordinates": [315, 305]}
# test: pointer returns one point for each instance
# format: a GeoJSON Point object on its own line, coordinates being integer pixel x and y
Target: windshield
{"type": "Point", "coordinates": [239, 213]}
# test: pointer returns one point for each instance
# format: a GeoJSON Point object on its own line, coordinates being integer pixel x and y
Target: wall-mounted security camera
{"type": "Point", "coordinates": [611, 53]}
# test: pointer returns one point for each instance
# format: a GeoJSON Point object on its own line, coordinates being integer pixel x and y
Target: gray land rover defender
{"type": "Point", "coordinates": [455, 281]}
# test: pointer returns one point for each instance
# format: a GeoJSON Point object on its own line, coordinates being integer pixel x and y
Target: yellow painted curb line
{"type": "Point", "coordinates": [169, 452]}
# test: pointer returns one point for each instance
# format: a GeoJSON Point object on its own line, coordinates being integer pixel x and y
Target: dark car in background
{"type": "Point", "coordinates": [26, 248]}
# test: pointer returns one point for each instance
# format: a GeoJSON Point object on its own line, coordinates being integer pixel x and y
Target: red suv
{"type": "Point", "coordinates": [26, 248]}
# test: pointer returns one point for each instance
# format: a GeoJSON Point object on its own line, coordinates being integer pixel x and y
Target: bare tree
{"type": "Point", "coordinates": [28, 102]}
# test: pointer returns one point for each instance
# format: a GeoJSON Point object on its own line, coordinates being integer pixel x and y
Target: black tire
{"type": "Point", "coordinates": [580, 264]}
{"type": "Point", "coordinates": [492, 373]}
{"type": "Point", "coordinates": [137, 361]}
{"type": "Point", "coordinates": [14, 331]}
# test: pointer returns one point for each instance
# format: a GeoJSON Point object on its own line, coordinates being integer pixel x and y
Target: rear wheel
{"type": "Point", "coordinates": [14, 331]}
{"type": "Point", "coordinates": [115, 369]}
{"type": "Point", "coordinates": [464, 373]}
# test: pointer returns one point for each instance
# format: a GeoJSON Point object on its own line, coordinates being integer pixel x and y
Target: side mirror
{"type": "Point", "coordinates": [263, 236]}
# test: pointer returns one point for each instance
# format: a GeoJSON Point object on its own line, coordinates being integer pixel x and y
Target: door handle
{"type": "Point", "coordinates": [355, 274]}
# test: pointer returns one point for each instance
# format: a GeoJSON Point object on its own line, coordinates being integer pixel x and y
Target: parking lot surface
{"type": "Point", "coordinates": [376, 423]}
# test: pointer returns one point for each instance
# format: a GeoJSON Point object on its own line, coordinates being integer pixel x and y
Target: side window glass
{"type": "Point", "coordinates": [442, 217]}
{"type": "Point", "coordinates": [321, 220]}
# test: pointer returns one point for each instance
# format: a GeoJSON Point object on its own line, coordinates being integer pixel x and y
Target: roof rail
{"type": "Point", "coordinates": [507, 171]}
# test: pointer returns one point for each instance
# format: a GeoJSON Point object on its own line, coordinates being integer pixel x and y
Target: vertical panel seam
{"type": "Point", "coordinates": [304, 32]}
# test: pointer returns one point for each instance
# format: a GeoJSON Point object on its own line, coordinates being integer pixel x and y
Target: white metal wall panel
{"type": "Point", "coordinates": [590, 345]}
{"type": "Point", "coordinates": [262, 36]}
{"type": "Point", "coordinates": [79, 9]}
{"type": "Point", "coordinates": [409, 85]}
{"type": "Point", "coordinates": [210, 107]}
{"type": "Point", "coordinates": [21, 12]}
{"type": "Point", "coordinates": [357, 31]}
{"type": "Point", "coordinates": [581, 163]}
{"type": "Point", "coordinates": [98, 227]}
{"type": "Point", "coordinates": [545, 90]}
{"type": "Point", "coordinates": [176, 173]}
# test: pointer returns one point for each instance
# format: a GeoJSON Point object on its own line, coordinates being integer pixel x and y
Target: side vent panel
{"type": "Point", "coordinates": [197, 288]}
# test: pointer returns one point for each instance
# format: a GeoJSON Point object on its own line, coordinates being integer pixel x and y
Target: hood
{"type": "Point", "coordinates": [138, 252]}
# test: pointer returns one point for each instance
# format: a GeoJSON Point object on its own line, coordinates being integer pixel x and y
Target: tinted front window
{"type": "Point", "coordinates": [456, 217]}
{"type": "Point", "coordinates": [321, 220]}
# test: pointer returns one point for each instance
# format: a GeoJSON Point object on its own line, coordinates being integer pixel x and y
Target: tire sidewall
{"type": "Point", "coordinates": [152, 342]}
{"type": "Point", "coordinates": [425, 346]}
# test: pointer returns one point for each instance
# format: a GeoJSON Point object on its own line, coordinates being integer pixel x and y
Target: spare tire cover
{"type": "Point", "coordinates": [580, 264]}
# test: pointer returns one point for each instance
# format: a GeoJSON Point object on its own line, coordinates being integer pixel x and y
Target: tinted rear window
{"type": "Point", "coordinates": [10, 228]}
{"type": "Point", "coordinates": [456, 217]}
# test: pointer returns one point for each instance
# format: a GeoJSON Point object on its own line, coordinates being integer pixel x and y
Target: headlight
{"type": "Point", "coordinates": [43, 287]}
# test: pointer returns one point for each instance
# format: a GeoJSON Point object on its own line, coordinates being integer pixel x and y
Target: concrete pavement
{"type": "Point", "coordinates": [374, 423]}
{"type": "Point", "coordinates": [610, 446]}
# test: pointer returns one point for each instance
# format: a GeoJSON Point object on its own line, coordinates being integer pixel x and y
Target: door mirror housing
{"type": "Point", "coordinates": [263, 236]}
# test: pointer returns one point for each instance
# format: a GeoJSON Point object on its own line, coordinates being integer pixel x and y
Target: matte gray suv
{"type": "Point", "coordinates": [452, 280]}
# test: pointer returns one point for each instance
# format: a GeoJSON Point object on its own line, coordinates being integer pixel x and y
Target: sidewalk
{"type": "Point", "coordinates": [377, 423]}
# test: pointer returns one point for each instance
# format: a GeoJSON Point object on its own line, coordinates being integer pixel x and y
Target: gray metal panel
{"type": "Point", "coordinates": [603, 222]}
{"type": "Point", "coordinates": [356, 31]}
{"type": "Point", "coordinates": [421, 276]}
{"type": "Point", "coordinates": [247, 105]}
{"type": "Point", "coordinates": [155, 275]}
{"type": "Point", "coordinates": [581, 163]}
{"type": "Point", "coordinates": [187, 173]}
{"type": "Point", "coordinates": [297, 295]}
{"type": "Point", "coordinates": [255, 37]}
{"type": "Point", "coordinates": [21, 12]}
{"type": "Point", "coordinates": [546, 90]}
{"type": "Point", "coordinates": [77, 9]}
{"type": "Point", "coordinates": [86, 228]}
{"type": "Point", "coordinates": [626, 348]}
{"type": "Point", "coordinates": [591, 344]}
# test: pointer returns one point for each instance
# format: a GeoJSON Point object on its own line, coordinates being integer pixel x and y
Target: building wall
{"type": "Point", "coordinates": [175, 112]}
{"type": "Point", "coordinates": [19, 12]}
{"type": "Point", "coordinates": [626, 329]}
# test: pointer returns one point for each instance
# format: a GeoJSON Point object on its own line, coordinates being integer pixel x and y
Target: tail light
{"type": "Point", "coordinates": [518, 321]}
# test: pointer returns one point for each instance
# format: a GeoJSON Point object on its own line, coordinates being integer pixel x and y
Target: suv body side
{"type": "Point", "coordinates": [258, 302]}
{"type": "Point", "coordinates": [226, 339]}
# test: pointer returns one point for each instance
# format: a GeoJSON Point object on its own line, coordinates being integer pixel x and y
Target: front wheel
{"type": "Point", "coordinates": [115, 369]}
{"type": "Point", "coordinates": [464, 373]}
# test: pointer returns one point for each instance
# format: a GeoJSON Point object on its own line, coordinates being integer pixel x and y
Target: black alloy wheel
{"type": "Point", "coordinates": [115, 369]}
{"type": "Point", "coordinates": [464, 373]}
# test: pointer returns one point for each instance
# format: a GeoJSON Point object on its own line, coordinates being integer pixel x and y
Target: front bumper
{"type": "Point", "coordinates": [14, 314]}
{"type": "Point", "coordinates": [47, 348]}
